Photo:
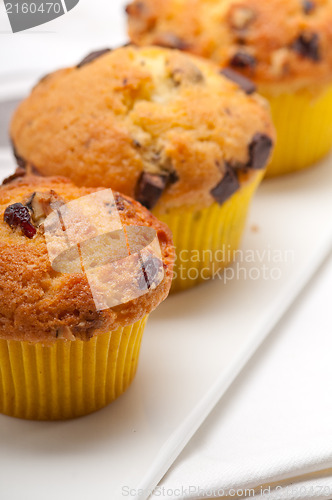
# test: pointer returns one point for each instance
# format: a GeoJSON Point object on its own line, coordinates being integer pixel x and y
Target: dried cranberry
{"type": "Point", "coordinates": [28, 229]}
{"type": "Point", "coordinates": [18, 215]}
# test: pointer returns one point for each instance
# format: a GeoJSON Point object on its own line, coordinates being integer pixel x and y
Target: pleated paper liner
{"type": "Point", "coordinates": [304, 129]}
{"type": "Point", "coordinates": [205, 240]}
{"type": "Point", "coordinates": [68, 378]}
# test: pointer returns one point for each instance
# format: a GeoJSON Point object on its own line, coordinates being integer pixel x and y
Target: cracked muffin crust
{"type": "Point", "coordinates": [274, 42]}
{"type": "Point", "coordinates": [40, 304]}
{"type": "Point", "coordinates": [164, 127]}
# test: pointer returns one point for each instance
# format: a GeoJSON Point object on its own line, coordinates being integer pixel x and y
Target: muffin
{"type": "Point", "coordinates": [188, 141]}
{"type": "Point", "coordinates": [284, 46]}
{"type": "Point", "coordinates": [63, 353]}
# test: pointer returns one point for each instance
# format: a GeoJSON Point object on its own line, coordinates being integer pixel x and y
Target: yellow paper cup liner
{"type": "Point", "coordinates": [303, 123]}
{"type": "Point", "coordinates": [68, 378]}
{"type": "Point", "coordinates": [205, 240]}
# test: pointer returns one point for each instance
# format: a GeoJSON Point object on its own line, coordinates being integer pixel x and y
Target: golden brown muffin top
{"type": "Point", "coordinates": [40, 304]}
{"type": "Point", "coordinates": [156, 124]}
{"type": "Point", "coordinates": [272, 41]}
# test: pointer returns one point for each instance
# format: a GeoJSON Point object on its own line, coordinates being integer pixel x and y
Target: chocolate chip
{"type": "Point", "coordinates": [308, 6]}
{"type": "Point", "coordinates": [19, 159]}
{"type": "Point", "coordinates": [149, 189]}
{"type": "Point", "coordinates": [135, 8]}
{"type": "Point", "coordinates": [151, 268]}
{"type": "Point", "coordinates": [18, 215]}
{"type": "Point", "coordinates": [172, 41]}
{"type": "Point", "coordinates": [244, 83]}
{"type": "Point", "coordinates": [91, 57]}
{"type": "Point", "coordinates": [307, 45]}
{"type": "Point", "coordinates": [259, 151]}
{"type": "Point", "coordinates": [226, 187]}
{"type": "Point", "coordinates": [173, 177]}
{"type": "Point", "coordinates": [19, 172]}
{"type": "Point", "coordinates": [127, 44]}
{"type": "Point", "coordinates": [243, 60]}
{"type": "Point", "coordinates": [43, 79]}
{"type": "Point", "coordinates": [29, 201]}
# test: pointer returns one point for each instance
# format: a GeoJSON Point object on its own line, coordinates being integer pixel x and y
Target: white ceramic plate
{"type": "Point", "coordinates": [194, 346]}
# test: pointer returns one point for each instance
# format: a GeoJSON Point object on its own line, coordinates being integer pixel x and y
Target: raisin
{"type": "Point", "coordinates": [18, 215]}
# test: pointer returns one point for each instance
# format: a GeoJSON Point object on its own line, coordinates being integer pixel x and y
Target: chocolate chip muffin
{"type": "Point", "coordinates": [62, 354]}
{"type": "Point", "coordinates": [283, 45]}
{"type": "Point", "coordinates": [184, 138]}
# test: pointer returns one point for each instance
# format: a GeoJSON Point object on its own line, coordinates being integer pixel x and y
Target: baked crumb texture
{"type": "Point", "coordinates": [167, 128]}
{"type": "Point", "coordinates": [271, 41]}
{"type": "Point", "coordinates": [39, 304]}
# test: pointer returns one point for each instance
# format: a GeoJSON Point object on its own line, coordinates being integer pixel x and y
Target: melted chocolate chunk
{"type": "Point", "coordinates": [19, 159]}
{"type": "Point", "coordinates": [308, 6]}
{"type": "Point", "coordinates": [92, 57]}
{"type": "Point", "coordinates": [135, 8]}
{"type": "Point", "coordinates": [173, 177]}
{"type": "Point", "coordinates": [171, 41]}
{"type": "Point", "coordinates": [243, 60]}
{"type": "Point", "coordinates": [19, 172]}
{"type": "Point", "coordinates": [226, 187]}
{"type": "Point", "coordinates": [18, 215]}
{"type": "Point", "coordinates": [151, 269]}
{"type": "Point", "coordinates": [244, 83]}
{"type": "Point", "coordinates": [127, 44]}
{"type": "Point", "coordinates": [259, 151]}
{"type": "Point", "coordinates": [43, 79]}
{"type": "Point", "coordinates": [307, 45]}
{"type": "Point", "coordinates": [149, 189]}
{"type": "Point", "coordinates": [32, 170]}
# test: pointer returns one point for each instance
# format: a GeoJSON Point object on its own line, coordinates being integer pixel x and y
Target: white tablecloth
{"type": "Point", "coordinates": [274, 427]}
